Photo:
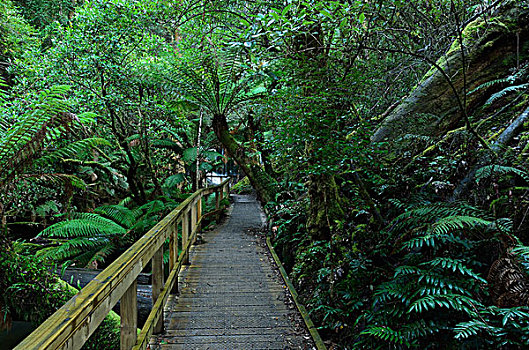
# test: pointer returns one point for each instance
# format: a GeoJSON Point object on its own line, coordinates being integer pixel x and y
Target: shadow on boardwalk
{"type": "Point", "coordinates": [231, 297]}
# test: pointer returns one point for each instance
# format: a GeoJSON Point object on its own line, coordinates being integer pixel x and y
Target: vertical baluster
{"type": "Point", "coordinates": [129, 317]}
{"type": "Point", "coordinates": [157, 284]}
{"type": "Point", "coordinates": [185, 236]}
{"type": "Point", "coordinates": [217, 204]}
{"type": "Point", "coordinates": [193, 222]}
{"type": "Point", "coordinates": [199, 213]}
{"type": "Point", "coordinates": [173, 253]}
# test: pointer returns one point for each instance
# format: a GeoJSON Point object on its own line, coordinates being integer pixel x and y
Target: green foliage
{"type": "Point", "coordinates": [438, 291]}
{"type": "Point", "coordinates": [89, 238]}
{"type": "Point", "coordinates": [515, 82]}
{"type": "Point", "coordinates": [42, 13]}
{"type": "Point", "coordinates": [16, 35]}
{"type": "Point", "coordinates": [499, 170]}
{"type": "Point", "coordinates": [218, 83]}
{"type": "Point", "coordinates": [29, 291]}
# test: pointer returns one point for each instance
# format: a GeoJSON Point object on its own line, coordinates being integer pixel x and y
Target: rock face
{"type": "Point", "coordinates": [492, 46]}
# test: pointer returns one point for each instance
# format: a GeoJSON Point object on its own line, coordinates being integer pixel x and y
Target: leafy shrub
{"type": "Point", "coordinates": [30, 292]}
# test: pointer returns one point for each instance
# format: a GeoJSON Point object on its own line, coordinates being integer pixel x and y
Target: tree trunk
{"type": "Point", "coordinates": [324, 208]}
{"type": "Point", "coordinates": [263, 183]}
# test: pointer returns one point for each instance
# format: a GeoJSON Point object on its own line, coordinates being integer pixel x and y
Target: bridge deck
{"type": "Point", "coordinates": [231, 297]}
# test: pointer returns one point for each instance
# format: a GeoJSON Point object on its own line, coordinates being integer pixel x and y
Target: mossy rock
{"type": "Point", "coordinates": [491, 51]}
{"type": "Point", "coordinates": [242, 187]}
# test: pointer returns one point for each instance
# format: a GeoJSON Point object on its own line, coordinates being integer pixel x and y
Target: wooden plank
{"type": "Point", "coordinates": [157, 284]}
{"type": "Point", "coordinates": [129, 318]}
{"type": "Point", "coordinates": [199, 213]}
{"type": "Point", "coordinates": [193, 222]}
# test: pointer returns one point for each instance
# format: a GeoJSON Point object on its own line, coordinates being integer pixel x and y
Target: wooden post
{"type": "Point", "coordinates": [199, 213]}
{"type": "Point", "coordinates": [173, 253]}
{"type": "Point", "coordinates": [194, 222]}
{"type": "Point", "coordinates": [217, 204]}
{"type": "Point", "coordinates": [129, 317]}
{"type": "Point", "coordinates": [157, 284]}
{"type": "Point", "coordinates": [185, 236]}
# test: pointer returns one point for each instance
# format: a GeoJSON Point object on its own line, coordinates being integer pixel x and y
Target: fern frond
{"type": "Point", "coordinates": [386, 334]}
{"type": "Point", "coordinates": [454, 301]}
{"type": "Point", "coordinates": [83, 228]}
{"type": "Point", "coordinates": [455, 223]}
{"type": "Point", "coordinates": [73, 149]}
{"type": "Point", "coordinates": [502, 93]}
{"type": "Point", "coordinates": [455, 265]}
{"type": "Point", "coordinates": [490, 170]}
{"type": "Point", "coordinates": [469, 329]}
{"type": "Point", "coordinates": [430, 213]}
{"type": "Point", "coordinates": [120, 214]}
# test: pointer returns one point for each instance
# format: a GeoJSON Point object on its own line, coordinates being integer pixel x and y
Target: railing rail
{"type": "Point", "coordinates": [71, 326]}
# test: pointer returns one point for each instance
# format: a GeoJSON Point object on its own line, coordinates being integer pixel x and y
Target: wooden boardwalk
{"type": "Point", "coordinates": [231, 296]}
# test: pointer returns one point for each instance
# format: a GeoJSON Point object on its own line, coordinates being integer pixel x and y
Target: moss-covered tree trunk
{"type": "Point", "coordinates": [492, 47]}
{"type": "Point", "coordinates": [324, 207]}
{"type": "Point", "coordinates": [325, 204]}
{"type": "Point", "coordinates": [263, 183]}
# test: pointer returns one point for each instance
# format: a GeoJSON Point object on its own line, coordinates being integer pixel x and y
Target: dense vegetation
{"type": "Point", "coordinates": [387, 141]}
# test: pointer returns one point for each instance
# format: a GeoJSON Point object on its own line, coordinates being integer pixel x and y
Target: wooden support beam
{"type": "Point", "coordinates": [193, 222]}
{"type": "Point", "coordinates": [157, 285]}
{"type": "Point", "coordinates": [217, 205]}
{"type": "Point", "coordinates": [185, 235]}
{"type": "Point", "coordinates": [199, 212]}
{"type": "Point", "coordinates": [173, 252]}
{"type": "Point", "coordinates": [129, 317]}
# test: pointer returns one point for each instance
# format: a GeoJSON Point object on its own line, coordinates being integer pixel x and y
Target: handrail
{"type": "Point", "coordinates": [71, 325]}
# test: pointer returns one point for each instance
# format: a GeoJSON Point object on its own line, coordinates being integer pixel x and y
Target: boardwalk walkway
{"type": "Point", "coordinates": [231, 298]}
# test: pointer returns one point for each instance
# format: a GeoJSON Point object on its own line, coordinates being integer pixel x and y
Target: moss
{"type": "Point", "coordinates": [242, 187]}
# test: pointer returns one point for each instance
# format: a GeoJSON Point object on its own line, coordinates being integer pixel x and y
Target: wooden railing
{"type": "Point", "coordinates": [71, 326]}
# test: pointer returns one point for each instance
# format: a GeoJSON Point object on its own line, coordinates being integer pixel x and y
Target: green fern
{"type": "Point", "coordinates": [458, 222]}
{"type": "Point", "coordinates": [72, 149]}
{"type": "Point", "coordinates": [87, 237]}
{"type": "Point", "coordinates": [499, 170]}
{"type": "Point", "coordinates": [23, 143]}
{"type": "Point", "coordinates": [504, 92]}
{"type": "Point", "coordinates": [437, 290]}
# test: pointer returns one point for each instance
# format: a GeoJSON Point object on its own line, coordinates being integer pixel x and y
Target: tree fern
{"type": "Point", "coordinates": [215, 83]}
{"type": "Point", "coordinates": [88, 237]}
{"type": "Point", "coordinates": [23, 142]}
{"type": "Point", "coordinates": [72, 149]}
